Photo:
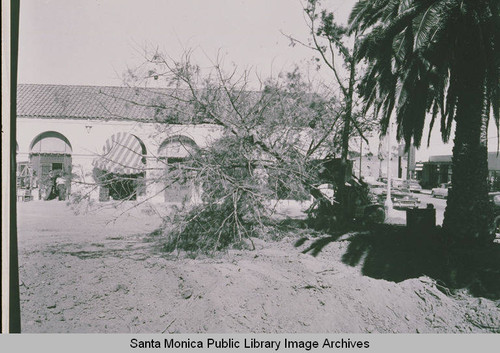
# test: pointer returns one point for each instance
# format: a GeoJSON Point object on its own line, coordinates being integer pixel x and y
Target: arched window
{"type": "Point", "coordinates": [51, 142]}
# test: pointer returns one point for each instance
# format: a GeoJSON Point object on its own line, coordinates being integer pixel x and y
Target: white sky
{"type": "Point", "coordinates": [92, 42]}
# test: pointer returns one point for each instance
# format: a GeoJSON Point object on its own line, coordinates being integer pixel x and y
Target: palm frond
{"type": "Point", "coordinates": [366, 13]}
{"type": "Point", "coordinates": [427, 25]}
{"type": "Point", "coordinates": [412, 48]}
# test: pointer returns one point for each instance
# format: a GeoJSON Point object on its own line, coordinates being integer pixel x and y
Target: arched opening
{"type": "Point", "coordinates": [50, 165]}
{"type": "Point", "coordinates": [176, 153]}
{"type": "Point", "coordinates": [120, 169]}
{"type": "Point", "coordinates": [51, 142]}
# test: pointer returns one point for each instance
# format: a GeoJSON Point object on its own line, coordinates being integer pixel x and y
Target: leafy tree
{"type": "Point", "coordinates": [332, 42]}
{"type": "Point", "coordinates": [276, 130]}
{"type": "Point", "coordinates": [272, 133]}
{"type": "Point", "coordinates": [440, 57]}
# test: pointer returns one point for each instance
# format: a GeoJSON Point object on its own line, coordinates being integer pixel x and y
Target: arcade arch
{"type": "Point", "coordinates": [120, 169]}
{"type": "Point", "coordinates": [176, 152]}
{"type": "Point", "coordinates": [50, 151]}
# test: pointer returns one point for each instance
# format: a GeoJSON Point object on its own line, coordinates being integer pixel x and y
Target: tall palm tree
{"type": "Point", "coordinates": [440, 57]}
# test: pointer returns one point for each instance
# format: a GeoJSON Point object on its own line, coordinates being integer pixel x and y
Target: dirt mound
{"type": "Point", "coordinates": [83, 275]}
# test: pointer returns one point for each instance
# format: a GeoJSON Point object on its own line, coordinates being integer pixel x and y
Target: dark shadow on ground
{"type": "Point", "coordinates": [395, 254]}
{"type": "Point", "coordinates": [317, 246]}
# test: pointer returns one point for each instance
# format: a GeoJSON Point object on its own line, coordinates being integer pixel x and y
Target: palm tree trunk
{"type": "Point", "coordinates": [468, 214]}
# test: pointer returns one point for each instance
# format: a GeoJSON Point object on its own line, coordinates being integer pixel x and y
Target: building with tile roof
{"type": "Point", "coordinates": [73, 130]}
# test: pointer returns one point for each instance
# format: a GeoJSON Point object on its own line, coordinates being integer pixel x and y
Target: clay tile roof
{"type": "Point", "coordinates": [89, 102]}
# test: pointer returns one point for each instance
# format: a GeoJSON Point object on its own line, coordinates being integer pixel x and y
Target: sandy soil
{"type": "Point", "coordinates": [80, 274]}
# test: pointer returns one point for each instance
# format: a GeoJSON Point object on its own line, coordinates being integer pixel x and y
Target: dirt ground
{"type": "Point", "coordinates": [80, 274]}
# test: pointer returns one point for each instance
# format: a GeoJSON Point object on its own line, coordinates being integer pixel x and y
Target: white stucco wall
{"type": "Point", "coordinates": [87, 138]}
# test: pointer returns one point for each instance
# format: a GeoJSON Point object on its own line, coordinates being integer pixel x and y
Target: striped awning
{"type": "Point", "coordinates": [123, 153]}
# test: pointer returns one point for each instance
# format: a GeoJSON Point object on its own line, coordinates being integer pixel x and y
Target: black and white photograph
{"type": "Point", "coordinates": [255, 167]}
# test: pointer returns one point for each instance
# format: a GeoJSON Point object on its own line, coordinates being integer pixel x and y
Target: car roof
{"type": "Point", "coordinates": [375, 183]}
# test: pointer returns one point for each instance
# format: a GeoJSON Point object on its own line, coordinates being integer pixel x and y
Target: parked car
{"type": "Point", "coordinates": [363, 205]}
{"type": "Point", "coordinates": [441, 191]}
{"type": "Point", "coordinates": [404, 199]}
{"type": "Point", "coordinates": [495, 200]}
{"type": "Point", "coordinates": [377, 191]}
{"type": "Point", "coordinates": [414, 186]}
{"type": "Point", "coordinates": [401, 198]}
{"type": "Point", "coordinates": [396, 183]}
{"type": "Point", "coordinates": [404, 184]}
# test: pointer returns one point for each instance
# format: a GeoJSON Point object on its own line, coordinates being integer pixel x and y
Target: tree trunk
{"type": "Point", "coordinates": [468, 214]}
{"type": "Point", "coordinates": [344, 199]}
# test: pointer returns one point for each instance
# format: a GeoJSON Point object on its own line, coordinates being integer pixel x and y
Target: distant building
{"type": "Point", "coordinates": [375, 166]}
{"type": "Point", "coordinates": [438, 170]}
{"type": "Point", "coordinates": [372, 167]}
